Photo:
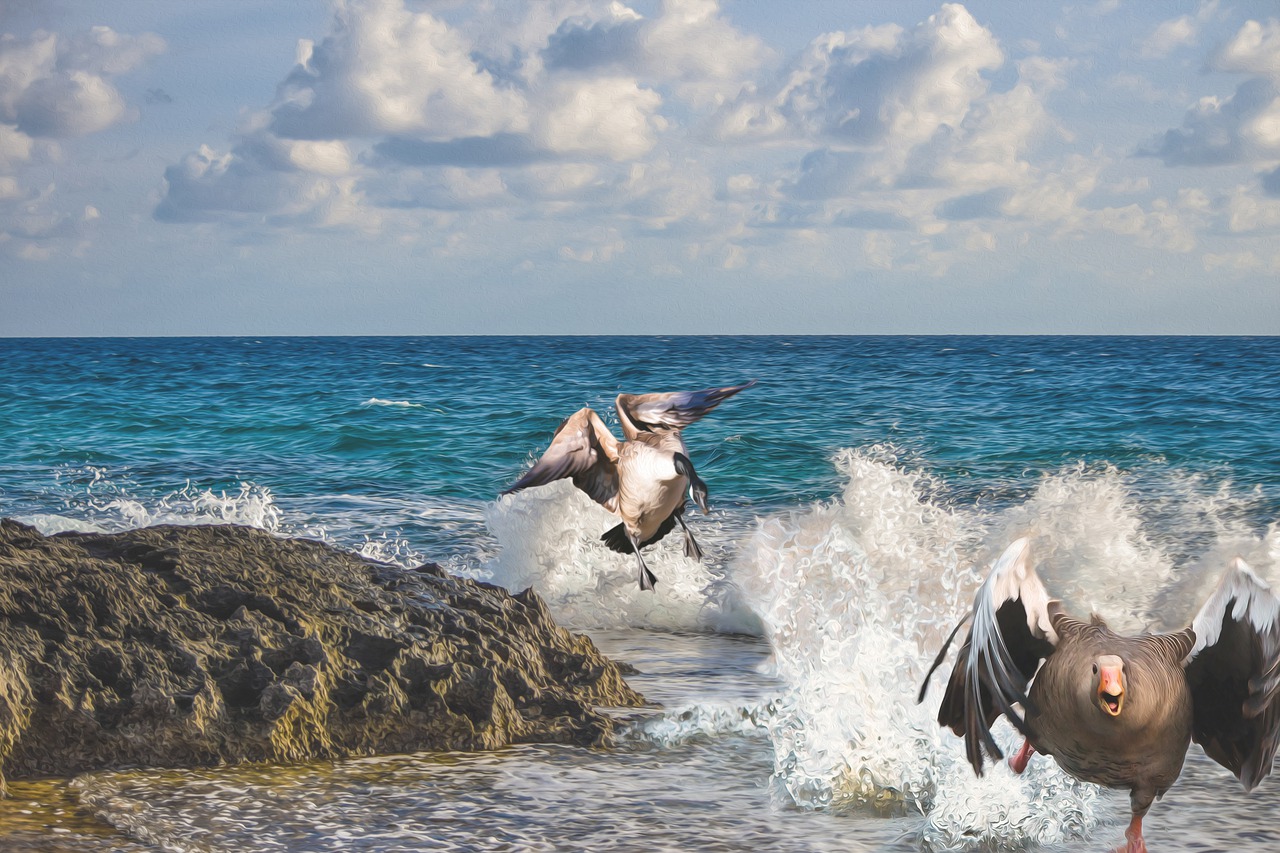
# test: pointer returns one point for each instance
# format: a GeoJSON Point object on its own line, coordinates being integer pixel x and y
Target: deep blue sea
{"type": "Point", "coordinates": [858, 493]}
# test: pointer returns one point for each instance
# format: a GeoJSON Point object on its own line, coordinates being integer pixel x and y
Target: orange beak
{"type": "Point", "coordinates": [1110, 690]}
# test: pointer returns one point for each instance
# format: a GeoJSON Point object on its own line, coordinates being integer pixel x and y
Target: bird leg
{"type": "Point", "coordinates": [647, 579]}
{"type": "Point", "coordinates": [697, 487]}
{"type": "Point", "coordinates": [1140, 800]}
{"type": "Point", "coordinates": [1019, 761]}
{"type": "Point", "coordinates": [691, 549]}
{"type": "Point", "coordinates": [1133, 837]}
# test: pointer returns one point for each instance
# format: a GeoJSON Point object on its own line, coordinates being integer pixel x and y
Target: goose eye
{"type": "Point", "coordinates": [1095, 669]}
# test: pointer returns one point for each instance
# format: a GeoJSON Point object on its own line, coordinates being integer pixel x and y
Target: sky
{"type": "Point", "coordinates": [204, 167]}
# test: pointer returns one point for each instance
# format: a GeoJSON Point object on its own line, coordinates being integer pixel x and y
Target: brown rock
{"type": "Point", "coordinates": [185, 646]}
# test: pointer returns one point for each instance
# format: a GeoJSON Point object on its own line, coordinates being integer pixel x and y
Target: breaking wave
{"type": "Point", "coordinates": [550, 540]}
{"type": "Point", "coordinates": [856, 595]}
{"type": "Point", "coordinates": [108, 506]}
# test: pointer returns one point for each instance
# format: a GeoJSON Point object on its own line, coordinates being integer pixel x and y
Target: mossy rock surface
{"type": "Point", "coordinates": [180, 646]}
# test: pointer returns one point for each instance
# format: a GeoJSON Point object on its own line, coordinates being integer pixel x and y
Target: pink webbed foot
{"type": "Point", "coordinates": [1133, 838]}
{"type": "Point", "coordinates": [1019, 761]}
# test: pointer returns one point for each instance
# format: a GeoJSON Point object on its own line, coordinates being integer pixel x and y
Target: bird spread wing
{"type": "Point", "coordinates": [642, 413]}
{"type": "Point", "coordinates": [584, 450]}
{"type": "Point", "coordinates": [1233, 672]}
{"type": "Point", "coordinates": [1010, 634]}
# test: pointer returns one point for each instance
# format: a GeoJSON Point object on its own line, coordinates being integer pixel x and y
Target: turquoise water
{"type": "Point", "coordinates": [336, 426]}
{"type": "Point", "coordinates": [858, 492]}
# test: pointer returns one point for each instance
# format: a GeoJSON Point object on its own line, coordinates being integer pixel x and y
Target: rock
{"type": "Point", "coordinates": [186, 646]}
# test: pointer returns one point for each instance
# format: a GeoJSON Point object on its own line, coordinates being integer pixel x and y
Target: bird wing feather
{"type": "Point", "coordinates": [1010, 634]}
{"type": "Point", "coordinates": [584, 450]}
{"type": "Point", "coordinates": [1233, 673]}
{"type": "Point", "coordinates": [646, 413]}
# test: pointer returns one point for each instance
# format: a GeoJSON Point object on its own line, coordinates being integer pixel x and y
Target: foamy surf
{"type": "Point", "coordinates": [108, 507]}
{"type": "Point", "coordinates": [855, 596]}
{"type": "Point", "coordinates": [550, 540]}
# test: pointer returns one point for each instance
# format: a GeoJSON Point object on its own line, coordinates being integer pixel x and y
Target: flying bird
{"type": "Point", "coordinates": [1114, 710]}
{"type": "Point", "coordinates": [643, 479]}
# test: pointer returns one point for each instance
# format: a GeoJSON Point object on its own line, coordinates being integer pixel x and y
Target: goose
{"type": "Point", "coordinates": [1118, 711]}
{"type": "Point", "coordinates": [643, 479]}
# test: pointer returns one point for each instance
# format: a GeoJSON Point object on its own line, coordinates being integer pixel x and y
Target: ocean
{"type": "Point", "coordinates": [858, 493]}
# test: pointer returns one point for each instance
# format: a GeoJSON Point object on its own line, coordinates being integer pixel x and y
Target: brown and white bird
{"type": "Point", "coordinates": [1114, 710]}
{"type": "Point", "coordinates": [641, 480]}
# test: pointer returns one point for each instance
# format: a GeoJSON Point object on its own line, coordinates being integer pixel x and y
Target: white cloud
{"type": "Point", "coordinates": [15, 148]}
{"type": "Point", "coordinates": [246, 184]}
{"type": "Point", "coordinates": [1167, 226]}
{"type": "Point", "coordinates": [444, 189]}
{"type": "Point", "coordinates": [1056, 196]}
{"type": "Point", "coordinates": [584, 125]}
{"type": "Point", "coordinates": [735, 258]}
{"type": "Point", "coordinates": [1248, 213]}
{"type": "Point", "coordinates": [662, 193]}
{"type": "Point", "coordinates": [608, 116]}
{"type": "Point", "coordinates": [556, 181]}
{"type": "Point", "coordinates": [600, 246]}
{"type": "Point", "coordinates": [1169, 35]}
{"type": "Point", "coordinates": [1241, 128]}
{"type": "Point", "coordinates": [1232, 262]}
{"type": "Point", "coordinates": [72, 103]}
{"type": "Point", "coordinates": [416, 95]}
{"type": "Point", "coordinates": [56, 86]}
{"type": "Point", "coordinates": [878, 86]}
{"type": "Point", "coordinates": [989, 148]}
{"type": "Point", "coordinates": [1255, 49]}
{"type": "Point", "coordinates": [896, 108]}
{"type": "Point", "coordinates": [671, 47]}
{"type": "Point", "coordinates": [676, 44]}
{"type": "Point", "coordinates": [387, 70]}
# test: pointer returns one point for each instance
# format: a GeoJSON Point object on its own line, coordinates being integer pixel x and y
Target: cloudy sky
{"type": "Point", "coordinates": [675, 166]}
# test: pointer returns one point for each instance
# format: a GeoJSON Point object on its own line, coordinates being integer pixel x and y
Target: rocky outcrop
{"type": "Point", "coordinates": [186, 646]}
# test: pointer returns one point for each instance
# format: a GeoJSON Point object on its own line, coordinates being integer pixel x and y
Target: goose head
{"type": "Point", "coordinates": [1109, 683]}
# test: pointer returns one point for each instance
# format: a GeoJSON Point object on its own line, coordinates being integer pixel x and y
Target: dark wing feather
{"type": "Point", "coordinates": [584, 450]}
{"type": "Point", "coordinates": [616, 537]}
{"type": "Point", "coordinates": [1233, 673]}
{"type": "Point", "coordinates": [1009, 636]}
{"type": "Point", "coordinates": [671, 411]}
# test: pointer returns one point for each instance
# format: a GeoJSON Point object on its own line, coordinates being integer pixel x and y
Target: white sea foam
{"type": "Point", "coordinates": [395, 404]}
{"type": "Point", "coordinates": [113, 509]}
{"type": "Point", "coordinates": [855, 596]}
{"type": "Point", "coordinates": [704, 720]}
{"type": "Point", "coordinates": [389, 548]}
{"type": "Point", "coordinates": [550, 540]}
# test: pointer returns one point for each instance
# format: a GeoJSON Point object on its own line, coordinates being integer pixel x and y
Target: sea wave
{"type": "Point", "coordinates": [109, 507]}
{"type": "Point", "coordinates": [550, 541]}
{"type": "Point", "coordinates": [855, 596]}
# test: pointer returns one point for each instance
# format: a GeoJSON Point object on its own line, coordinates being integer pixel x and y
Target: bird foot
{"type": "Point", "coordinates": [1134, 842]}
{"type": "Point", "coordinates": [1019, 762]}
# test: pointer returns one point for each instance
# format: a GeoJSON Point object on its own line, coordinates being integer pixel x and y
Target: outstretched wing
{"type": "Point", "coordinates": [673, 411]}
{"type": "Point", "coordinates": [583, 449]}
{"type": "Point", "coordinates": [1233, 672]}
{"type": "Point", "coordinates": [1010, 634]}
